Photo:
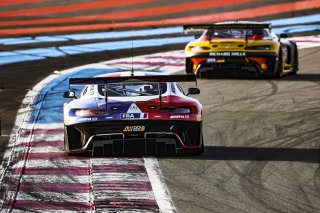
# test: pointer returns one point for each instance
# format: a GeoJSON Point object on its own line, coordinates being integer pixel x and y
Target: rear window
{"type": "Point", "coordinates": [237, 33]}
{"type": "Point", "coordinates": [132, 89]}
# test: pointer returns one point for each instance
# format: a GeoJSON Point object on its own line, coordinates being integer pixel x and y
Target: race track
{"type": "Point", "coordinates": [262, 136]}
{"type": "Point", "coordinates": [262, 146]}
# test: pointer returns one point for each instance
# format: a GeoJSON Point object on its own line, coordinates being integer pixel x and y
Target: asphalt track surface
{"type": "Point", "coordinates": [262, 146]}
{"type": "Point", "coordinates": [262, 138]}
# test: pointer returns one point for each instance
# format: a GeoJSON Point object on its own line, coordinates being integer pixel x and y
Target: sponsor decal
{"type": "Point", "coordinates": [88, 119]}
{"type": "Point", "coordinates": [215, 60]}
{"type": "Point", "coordinates": [179, 116]}
{"type": "Point", "coordinates": [211, 60]}
{"type": "Point", "coordinates": [134, 129]}
{"type": "Point", "coordinates": [130, 116]}
{"type": "Point", "coordinates": [237, 54]}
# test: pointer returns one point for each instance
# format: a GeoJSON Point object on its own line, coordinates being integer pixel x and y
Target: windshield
{"type": "Point", "coordinates": [132, 89]}
{"type": "Point", "coordinates": [237, 33]}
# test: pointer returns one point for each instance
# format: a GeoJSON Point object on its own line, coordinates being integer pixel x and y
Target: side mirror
{"type": "Point", "coordinates": [69, 94]}
{"type": "Point", "coordinates": [193, 91]}
{"type": "Point", "coordinates": [283, 35]}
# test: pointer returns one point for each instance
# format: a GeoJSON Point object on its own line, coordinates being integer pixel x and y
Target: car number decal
{"type": "Point", "coordinates": [134, 129]}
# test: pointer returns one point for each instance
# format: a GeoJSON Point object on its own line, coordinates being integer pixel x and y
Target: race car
{"type": "Point", "coordinates": [124, 113]}
{"type": "Point", "coordinates": [240, 49]}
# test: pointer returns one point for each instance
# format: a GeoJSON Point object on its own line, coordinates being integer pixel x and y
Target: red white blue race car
{"type": "Point", "coordinates": [122, 113]}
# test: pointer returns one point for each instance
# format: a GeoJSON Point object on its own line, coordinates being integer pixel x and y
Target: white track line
{"type": "Point", "coordinates": [159, 187]}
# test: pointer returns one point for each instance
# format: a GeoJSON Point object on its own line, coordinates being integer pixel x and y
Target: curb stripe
{"type": "Point", "coordinates": [148, 12]}
{"type": "Point", "coordinates": [44, 143]}
{"type": "Point", "coordinates": [70, 8]}
{"type": "Point", "coordinates": [142, 204]}
{"type": "Point", "coordinates": [42, 53]}
{"type": "Point", "coordinates": [119, 168]}
{"type": "Point", "coordinates": [123, 185]}
{"type": "Point", "coordinates": [15, 2]}
{"type": "Point", "coordinates": [47, 205]}
{"type": "Point", "coordinates": [50, 156]}
{"type": "Point", "coordinates": [43, 131]}
{"type": "Point", "coordinates": [55, 187]}
{"type": "Point", "coordinates": [79, 171]}
{"type": "Point", "coordinates": [119, 176]}
{"type": "Point", "coordinates": [92, 36]}
{"type": "Point", "coordinates": [242, 14]}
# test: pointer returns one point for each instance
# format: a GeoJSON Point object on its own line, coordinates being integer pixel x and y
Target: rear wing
{"type": "Point", "coordinates": [107, 80]}
{"type": "Point", "coordinates": [234, 25]}
{"type": "Point", "coordinates": [151, 78]}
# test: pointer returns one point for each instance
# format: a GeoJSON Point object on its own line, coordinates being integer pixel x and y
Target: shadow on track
{"type": "Point", "coordinates": [259, 154]}
{"type": "Point", "coordinates": [302, 77]}
{"type": "Point", "coordinates": [298, 77]}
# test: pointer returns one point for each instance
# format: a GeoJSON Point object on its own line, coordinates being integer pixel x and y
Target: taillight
{"type": "Point", "coordinates": [89, 112]}
{"type": "Point", "coordinates": [266, 47]}
{"type": "Point", "coordinates": [178, 110]}
{"type": "Point", "coordinates": [196, 62]}
{"type": "Point", "coordinates": [199, 48]}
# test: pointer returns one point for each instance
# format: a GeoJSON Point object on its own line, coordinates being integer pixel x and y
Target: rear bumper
{"type": "Point", "coordinates": [109, 138]}
{"type": "Point", "coordinates": [252, 64]}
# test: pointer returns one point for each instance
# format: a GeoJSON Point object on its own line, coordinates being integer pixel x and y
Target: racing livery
{"type": "Point", "coordinates": [240, 48]}
{"type": "Point", "coordinates": [146, 113]}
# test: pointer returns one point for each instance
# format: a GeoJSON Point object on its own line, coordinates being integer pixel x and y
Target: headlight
{"type": "Point", "coordinates": [258, 48]}
{"type": "Point", "coordinates": [199, 48]}
{"type": "Point", "coordinates": [89, 112]}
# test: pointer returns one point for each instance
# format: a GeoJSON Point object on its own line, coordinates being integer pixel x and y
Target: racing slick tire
{"type": "Point", "coordinates": [65, 140]}
{"type": "Point", "coordinates": [200, 151]}
{"type": "Point", "coordinates": [68, 135]}
{"type": "Point", "coordinates": [295, 63]}
{"type": "Point", "coordinates": [279, 67]}
{"type": "Point", "coordinates": [189, 66]}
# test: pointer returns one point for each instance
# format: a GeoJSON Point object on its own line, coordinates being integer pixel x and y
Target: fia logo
{"type": "Point", "coordinates": [133, 107]}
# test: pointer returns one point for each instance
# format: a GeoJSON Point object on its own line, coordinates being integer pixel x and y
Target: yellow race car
{"type": "Point", "coordinates": [240, 49]}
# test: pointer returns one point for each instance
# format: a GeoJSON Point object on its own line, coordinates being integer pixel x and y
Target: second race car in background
{"type": "Point", "coordinates": [240, 49]}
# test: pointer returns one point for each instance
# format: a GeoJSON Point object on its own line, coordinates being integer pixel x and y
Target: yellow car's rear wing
{"type": "Point", "coordinates": [233, 25]}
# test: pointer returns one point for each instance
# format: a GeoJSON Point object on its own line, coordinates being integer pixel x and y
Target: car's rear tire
{"type": "Point", "coordinates": [200, 151]}
{"type": "Point", "coordinates": [66, 144]}
{"type": "Point", "coordinates": [189, 66]}
{"type": "Point", "coordinates": [279, 71]}
{"type": "Point", "coordinates": [295, 63]}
